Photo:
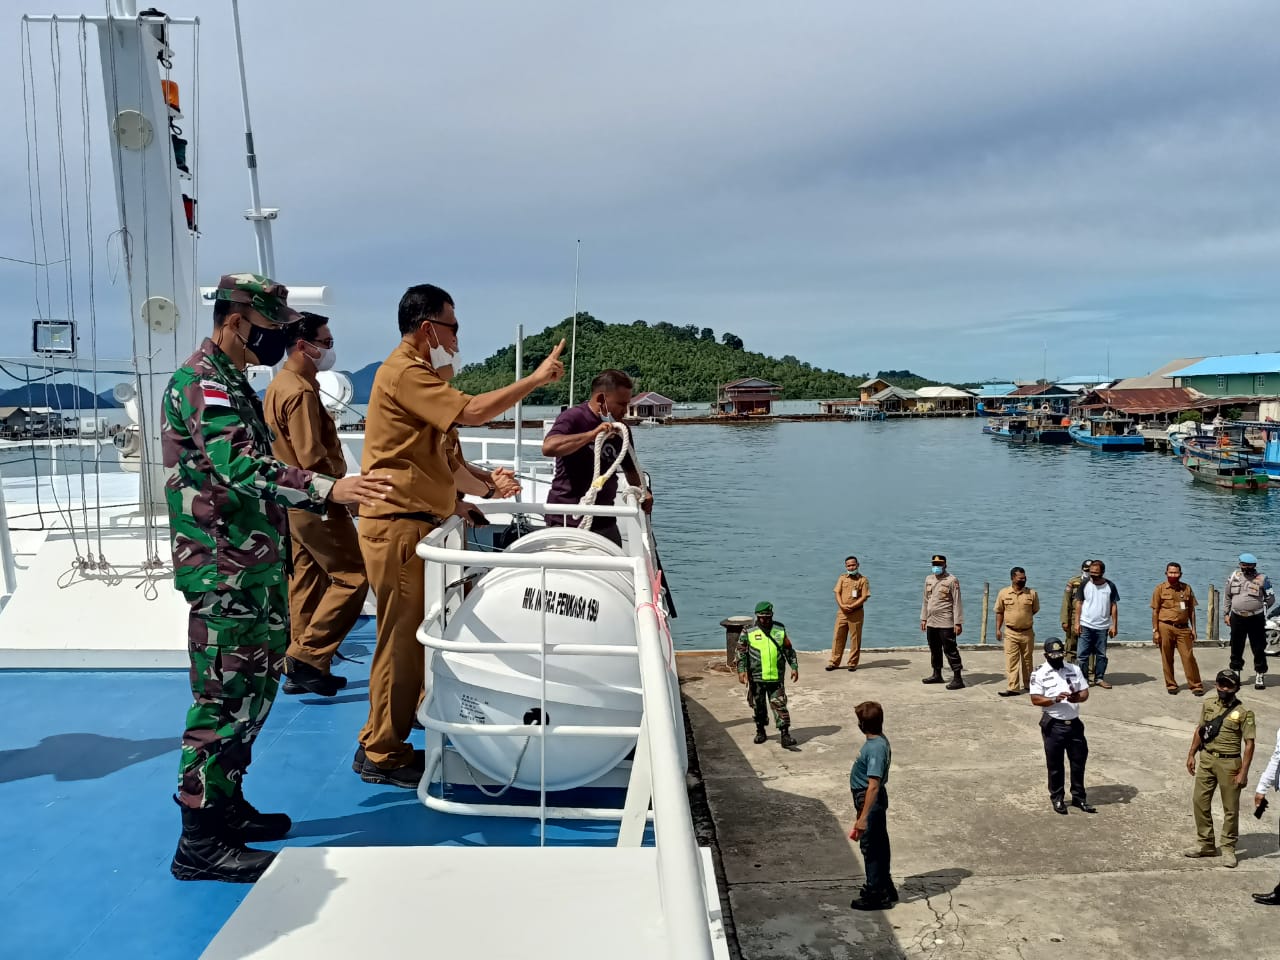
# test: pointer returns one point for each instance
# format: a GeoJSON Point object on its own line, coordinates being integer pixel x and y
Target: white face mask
{"type": "Point", "coordinates": [440, 357]}
{"type": "Point", "coordinates": [328, 357]}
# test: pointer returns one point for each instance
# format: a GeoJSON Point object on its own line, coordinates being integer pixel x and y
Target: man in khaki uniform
{"type": "Point", "coordinates": [1173, 626]}
{"type": "Point", "coordinates": [1225, 735]}
{"type": "Point", "coordinates": [852, 591]}
{"type": "Point", "coordinates": [1068, 618]}
{"type": "Point", "coordinates": [411, 409]}
{"type": "Point", "coordinates": [1016, 608]}
{"type": "Point", "coordinates": [327, 584]}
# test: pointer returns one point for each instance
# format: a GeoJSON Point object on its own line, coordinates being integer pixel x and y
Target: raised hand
{"type": "Point", "coordinates": [551, 369]}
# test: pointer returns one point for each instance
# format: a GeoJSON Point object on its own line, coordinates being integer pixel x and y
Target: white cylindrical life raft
{"type": "Point", "coordinates": [508, 606]}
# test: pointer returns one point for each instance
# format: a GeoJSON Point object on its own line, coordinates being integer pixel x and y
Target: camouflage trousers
{"type": "Point", "coordinates": [762, 694]}
{"type": "Point", "coordinates": [236, 640]}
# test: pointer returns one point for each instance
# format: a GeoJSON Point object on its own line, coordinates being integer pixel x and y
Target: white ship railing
{"type": "Point", "coordinates": [657, 776]}
{"type": "Point", "coordinates": [8, 570]}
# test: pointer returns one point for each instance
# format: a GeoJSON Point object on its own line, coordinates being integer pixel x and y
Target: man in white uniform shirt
{"type": "Point", "coordinates": [1056, 688]}
{"type": "Point", "coordinates": [1270, 780]}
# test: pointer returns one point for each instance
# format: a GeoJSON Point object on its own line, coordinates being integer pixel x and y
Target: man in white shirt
{"type": "Point", "coordinates": [1097, 619]}
{"type": "Point", "coordinates": [1270, 780]}
{"type": "Point", "coordinates": [1056, 688]}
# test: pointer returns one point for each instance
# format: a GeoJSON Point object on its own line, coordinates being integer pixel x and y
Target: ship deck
{"type": "Point", "coordinates": [88, 763]}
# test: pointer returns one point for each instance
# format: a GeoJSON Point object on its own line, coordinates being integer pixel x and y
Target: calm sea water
{"type": "Point", "coordinates": [768, 511]}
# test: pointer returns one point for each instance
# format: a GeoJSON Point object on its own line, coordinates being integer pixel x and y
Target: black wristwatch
{"type": "Point", "coordinates": [492, 490]}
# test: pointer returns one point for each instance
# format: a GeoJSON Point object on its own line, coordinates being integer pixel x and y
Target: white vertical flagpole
{"type": "Point", "coordinates": [573, 347]}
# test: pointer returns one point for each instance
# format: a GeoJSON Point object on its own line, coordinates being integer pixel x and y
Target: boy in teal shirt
{"type": "Point", "coordinates": [867, 781]}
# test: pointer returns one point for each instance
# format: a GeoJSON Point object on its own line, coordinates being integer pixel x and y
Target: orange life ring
{"type": "Point", "coordinates": [1066, 421]}
{"type": "Point", "coordinates": [1224, 441]}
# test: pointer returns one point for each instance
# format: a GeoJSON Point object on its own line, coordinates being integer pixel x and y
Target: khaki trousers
{"type": "Point", "coordinates": [327, 586]}
{"type": "Point", "coordinates": [1178, 638]}
{"type": "Point", "coordinates": [848, 627]}
{"type": "Point", "coordinates": [1215, 773]}
{"type": "Point", "coordinates": [1017, 657]}
{"type": "Point", "coordinates": [396, 672]}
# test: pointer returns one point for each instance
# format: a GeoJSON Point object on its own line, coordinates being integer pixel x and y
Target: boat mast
{"type": "Point", "coordinates": [259, 217]}
{"type": "Point", "coordinates": [573, 348]}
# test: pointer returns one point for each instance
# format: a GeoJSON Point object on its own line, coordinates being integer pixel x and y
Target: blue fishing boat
{"type": "Point", "coordinates": [1108, 432]}
{"type": "Point", "coordinates": [1026, 428]}
{"type": "Point", "coordinates": [1230, 444]}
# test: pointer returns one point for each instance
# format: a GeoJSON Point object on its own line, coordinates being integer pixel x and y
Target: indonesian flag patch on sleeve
{"type": "Point", "coordinates": [214, 394]}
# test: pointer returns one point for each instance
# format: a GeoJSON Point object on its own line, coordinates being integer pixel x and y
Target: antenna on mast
{"type": "Point", "coordinates": [260, 218]}
{"type": "Point", "coordinates": [573, 347]}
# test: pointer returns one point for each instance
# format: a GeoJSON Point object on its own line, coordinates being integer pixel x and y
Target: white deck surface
{"type": "Point", "coordinates": [495, 903]}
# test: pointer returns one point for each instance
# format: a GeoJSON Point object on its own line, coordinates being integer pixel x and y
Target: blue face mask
{"type": "Point", "coordinates": [853, 572]}
{"type": "Point", "coordinates": [937, 569]}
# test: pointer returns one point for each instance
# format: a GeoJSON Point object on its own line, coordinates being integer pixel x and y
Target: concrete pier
{"type": "Point", "coordinates": [985, 868]}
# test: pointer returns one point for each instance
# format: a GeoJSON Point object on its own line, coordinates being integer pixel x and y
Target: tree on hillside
{"type": "Point", "coordinates": [708, 335]}
{"type": "Point", "coordinates": [732, 341]}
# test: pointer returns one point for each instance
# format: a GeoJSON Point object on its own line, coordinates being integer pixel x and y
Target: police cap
{"type": "Point", "coordinates": [1054, 647]}
{"type": "Point", "coordinates": [1229, 678]}
{"type": "Point", "coordinates": [939, 559]}
{"type": "Point", "coordinates": [1248, 560]}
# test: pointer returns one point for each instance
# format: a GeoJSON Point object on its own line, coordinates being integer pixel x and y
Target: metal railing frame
{"type": "Point", "coordinates": [657, 778]}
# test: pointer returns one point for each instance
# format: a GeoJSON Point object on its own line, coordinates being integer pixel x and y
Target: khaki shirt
{"type": "Point", "coordinates": [1236, 728]}
{"type": "Point", "coordinates": [305, 434]}
{"type": "Point", "coordinates": [849, 589]}
{"type": "Point", "coordinates": [1017, 607]}
{"type": "Point", "coordinates": [941, 605]}
{"type": "Point", "coordinates": [1175, 606]}
{"type": "Point", "coordinates": [406, 437]}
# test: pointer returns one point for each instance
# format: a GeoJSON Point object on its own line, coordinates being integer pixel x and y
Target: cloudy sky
{"type": "Point", "coordinates": [949, 188]}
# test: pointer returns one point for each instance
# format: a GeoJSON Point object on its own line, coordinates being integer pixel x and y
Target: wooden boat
{"type": "Point", "coordinates": [1222, 470]}
{"type": "Point", "coordinates": [1109, 433]}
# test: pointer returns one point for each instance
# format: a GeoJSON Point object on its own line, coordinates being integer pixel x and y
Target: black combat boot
{"type": "Point", "coordinates": [246, 825]}
{"type": "Point", "coordinates": [302, 676]}
{"type": "Point", "coordinates": [1271, 899]}
{"type": "Point", "coordinates": [957, 683]}
{"type": "Point", "coordinates": [787, 740]}
{"type": "Point", "coordinates": [760, 735]}
{"type": "Point", "coordinates": [205, 852]}
{"type": "Point", "coordinates": [935, 677]}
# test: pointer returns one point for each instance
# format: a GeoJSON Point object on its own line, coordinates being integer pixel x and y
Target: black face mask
{"type": "Point", "coordinates": [267, 343]}
{"type": "Point", "coordinates": [1055, 662]}
{"type": "Point", "coordinates": [1226, 696]}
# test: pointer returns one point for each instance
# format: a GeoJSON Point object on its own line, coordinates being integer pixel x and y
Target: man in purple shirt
{"type": "Point", "coordinates": [571, 441]}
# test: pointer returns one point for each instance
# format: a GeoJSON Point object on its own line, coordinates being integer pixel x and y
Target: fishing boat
{"type": "Point", "coordinates": [1108, 432]}
{"type": "Point", "coordinates": [1230, 443]}
{"type": "Point", "coordinates": [1015, 429]}
{"type": "Point", "coordinates": [1051, 428]}
{"type": "Point", "coordinates": [1221, 471]}
{"type": "Point", "coordinates": [553, 729]}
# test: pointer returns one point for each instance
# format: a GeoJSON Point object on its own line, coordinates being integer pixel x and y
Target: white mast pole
{"type": "Point", "coordinates": [573, 348]}
{"type": "Point", "coordinates": [519, 403]}
{"type": "Point", "coordinates": [260, 218]}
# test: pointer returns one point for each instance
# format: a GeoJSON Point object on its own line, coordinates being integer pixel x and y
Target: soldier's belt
{"type": "Point", "coordinates": [1223, 756]}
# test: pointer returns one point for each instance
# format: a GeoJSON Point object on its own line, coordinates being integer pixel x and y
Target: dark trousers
{"type": "Point", "coordinates": [1064, 736]}
{"type": "Point", "coordinates": [874, 844]}
{"type": "Point", "coordinates": [943, 640]}
{"type": "Point", "coordinates": [1255, 629]}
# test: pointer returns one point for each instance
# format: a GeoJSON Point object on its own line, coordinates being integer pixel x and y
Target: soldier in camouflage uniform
{"type": "Point", "coordinates": [227, 499]}
{"type": "Point", "coordinates": [761, 648]}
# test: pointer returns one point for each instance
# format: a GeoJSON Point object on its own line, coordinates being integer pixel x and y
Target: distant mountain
{"type": "Point", "coordinates": [58, 396]}
{"type": "Point", "coordinates": [362, 380]}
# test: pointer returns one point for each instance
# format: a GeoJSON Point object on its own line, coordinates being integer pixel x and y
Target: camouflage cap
{"type": "Point", "coordinates": [269, 298]}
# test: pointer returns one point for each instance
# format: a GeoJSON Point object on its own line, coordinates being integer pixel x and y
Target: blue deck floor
{"type": "Point", "coordinates": [88, 764]}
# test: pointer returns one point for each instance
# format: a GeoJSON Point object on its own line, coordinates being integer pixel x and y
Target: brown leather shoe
{"type": "Point", "coordinates": [1104, 685]}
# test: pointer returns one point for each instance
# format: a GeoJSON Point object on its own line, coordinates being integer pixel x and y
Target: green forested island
{"type": "Point", "coordinates": [684, 364]}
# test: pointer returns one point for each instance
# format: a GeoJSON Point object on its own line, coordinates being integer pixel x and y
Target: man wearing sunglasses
{"type": "Point", "coordinates": [412, 409]}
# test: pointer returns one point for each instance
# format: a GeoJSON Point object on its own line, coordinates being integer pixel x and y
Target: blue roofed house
{"type": "Point", "coordinates": [1245, 375]}
{"type": "Point", "coordinates": [1249, 383]}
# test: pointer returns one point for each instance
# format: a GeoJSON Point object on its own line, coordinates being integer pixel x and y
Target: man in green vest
{"type": "Point", "coordinates": [762, 647]}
